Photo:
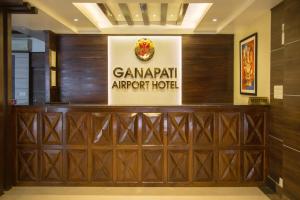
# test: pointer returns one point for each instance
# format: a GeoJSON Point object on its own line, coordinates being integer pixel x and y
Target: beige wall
{"type": "Point", "coordinates": [263, 27]}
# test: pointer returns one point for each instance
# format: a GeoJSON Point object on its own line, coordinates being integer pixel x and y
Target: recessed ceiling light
{"type": "Point", "coordinates": [215, 20]}
{"type": "Point", "coordinates": [136, 15]}
{"type": "Point", "coordinates": [94, 14]}
{"type": "Point", "coordinates": [172, 15]}
{"type": "Point", "coordinates": [154, 15]}
{"type": "Point", "coordinates": [76, 20]}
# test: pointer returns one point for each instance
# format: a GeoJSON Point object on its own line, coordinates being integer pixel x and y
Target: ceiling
{"type": "Point", "coordinates": [142, 17]}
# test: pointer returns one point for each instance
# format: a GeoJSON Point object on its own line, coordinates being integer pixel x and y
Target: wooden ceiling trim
{"type": "Point", "coordinates": [24, 8]}
{"type": "Point", "coordinates": [164, 13]}
{"type": "Point", "coordinates": [182, 12]}
{"type": "Point", "coordinates": [126, 13]}
{"type": "Point", "coordinates": [144, 10]}
{"type": "Point", "coordinates": [108, 13]}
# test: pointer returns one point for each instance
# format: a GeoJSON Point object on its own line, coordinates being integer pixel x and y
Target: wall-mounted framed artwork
{"type": "Point", "coordinates": [248, 65]}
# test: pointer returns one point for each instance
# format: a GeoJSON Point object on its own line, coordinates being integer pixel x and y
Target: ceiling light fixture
{"type": "Point", "coordinates": [194, 14]}
{"type": "Point", "coordinates": [76, 20]}
{"type": "Point", "coordinates": [94, 14]}
{"type": "Point", "coordinates": [215, 20]}
{"type": "Point", "coordinates": [154, 15]}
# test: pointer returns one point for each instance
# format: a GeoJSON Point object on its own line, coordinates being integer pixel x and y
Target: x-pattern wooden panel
{"type": "Point", "coordinates": [77, 128]}
{"type": "Point", "coordinates": [76, 165]}
{"type": "Point", "coordinates": [52, 165]}
{"type": "Point", "coordinates": [178, 166]}
{"type": "Point", "coordinates": [229, 128]}
{"type": "Point", "coordinates": [102, 128]}
{"type": "Point", "coordinates": [229, 163]}
{"type": "Point", "coordinates": [102, 164]}
{"type": "Point", "coordinates": [153, 127]}
{"type": "Point", "coordinates": [253, 165]}
{"type": "Point", "coordinates": [27, 128]}
{"type": "Point", "coordinates": [203, 166]}
{"type": "Point", "coordinates": [52, 128]}
{"type": "Point", "coordinates": [203, 126]}
{"type": "Point", "coordinates": [28, 165]}
{"type": "Point", "coordinates": [152, 166]}
{"type": "Point", "coordinates": [178, 131]}
{"type": "Point", "coordinates": [127, 128]}
{"type": "Point", "coordinates": [254, 128]}
{"type": "Point", "coordinates": [146, 148]}
{"type": "Point", "coordinates": [127, 166]}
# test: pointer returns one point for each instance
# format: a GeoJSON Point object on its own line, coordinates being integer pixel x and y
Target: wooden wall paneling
{"type": "Point", "coordinates": [284, 132]}
{"type": "Point", "coordinates": [2, 102]}
{"type": "Point", "coordinates": [37, 78]}
{"type": "Point", "coordinates": [207, 71]}
{"type": "Point", "coordinates": [292, 30]}
{"type": "Point", "coordinates": [277, 19]}
{"type": "Point", "coordinates": [5, 94]}
{"type": "Point", "coordinates": [275, 158]}
{"type": "Point", "coordinates": [52, 94]}
{"type": "Point", "coordinates": [291, 173]}
{"type": "Point", "coordinates": [277, 127]}
{"type": "Point", "coordinates": [291, 100]}
{"type": "Point", "coordinates": [82, 60]}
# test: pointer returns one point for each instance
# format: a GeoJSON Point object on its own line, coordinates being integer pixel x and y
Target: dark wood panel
{"type": "Point", "coordinates": [51, 94]}
{"type": "Point", "coordinates": [5, 94]}
{"type": "Point", "coordinates": [2, 101]}
{"type": "Point", "coordinates": [37, 78]}
{"type": "Point", "coordinates": [277, 67]}
{"type": "Point", "coordinates": [291, 68]}
{"type": "Point", "coordinates": [83, 63]}
{"type": "Point", "coordinates": [284, 115]}
{"type": "Point", "coordinates": [140, 146]}
{"type": "Point", "coordinates": [277, 127]}
{"type": "Point", "coordinates": [291, 20]}
{"type": "Point", "coordinates": [291, 173]}
{"type": "Point", "coordinates": [207, 68]}
{"type": "Point", "coordinates": [276, 25]}
{"type": "Point", "coordinates": [292, 121]}
{"type": "Point", "coordinates": [275, 158]}
{"type": "Point", "coordinates": [11, 3]}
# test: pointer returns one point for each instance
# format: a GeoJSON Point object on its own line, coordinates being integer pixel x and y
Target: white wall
{"type": "Point", "coordinates": [263, 27]}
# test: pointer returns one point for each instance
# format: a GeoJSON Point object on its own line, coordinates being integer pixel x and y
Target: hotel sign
{"type": "Point", "coordinates": [144, 70]}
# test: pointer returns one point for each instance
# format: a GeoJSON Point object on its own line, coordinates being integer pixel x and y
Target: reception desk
{"type": "Point", "coordinates": [201, 145]}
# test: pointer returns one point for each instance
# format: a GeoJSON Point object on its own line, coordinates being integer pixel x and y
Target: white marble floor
{"type": "Point", "coordinates": [134, 193]}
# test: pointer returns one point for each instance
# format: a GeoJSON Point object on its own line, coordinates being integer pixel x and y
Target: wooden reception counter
{"type": "Point", "coordinates": [204, 145]}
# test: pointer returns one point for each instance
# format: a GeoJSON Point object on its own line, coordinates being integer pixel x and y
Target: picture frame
{"type": "Point", "coordinates": [248, 65]}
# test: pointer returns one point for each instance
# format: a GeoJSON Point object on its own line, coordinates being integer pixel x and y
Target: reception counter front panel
{"type": "Point", "coordinates": [140, 146]}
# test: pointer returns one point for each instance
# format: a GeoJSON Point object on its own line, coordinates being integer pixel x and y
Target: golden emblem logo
{"type": "Point", "coordinates": [144, 49]}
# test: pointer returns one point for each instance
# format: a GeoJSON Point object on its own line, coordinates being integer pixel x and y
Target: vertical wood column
{"type": "Point", "coordinates": [5, 94]}
{"type": "Point", "coordinates": [51, 92]}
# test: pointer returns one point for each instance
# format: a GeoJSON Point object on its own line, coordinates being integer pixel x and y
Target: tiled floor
{"type": "Point", "coordinates": [133, 193]}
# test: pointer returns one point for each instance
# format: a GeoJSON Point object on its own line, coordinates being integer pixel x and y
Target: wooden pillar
{"type": "Point", "coordinates": [5, 92]}
{"type": "Point", "coordinates": [51, 91]}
